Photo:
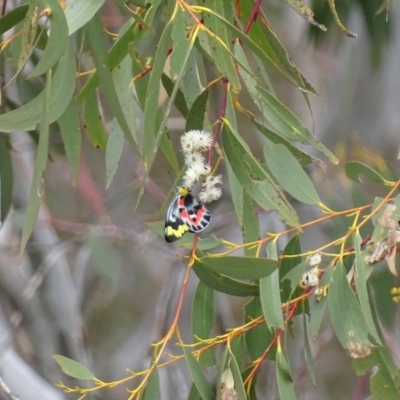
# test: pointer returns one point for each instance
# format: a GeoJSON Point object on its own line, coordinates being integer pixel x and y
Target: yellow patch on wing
{"type": "Point", "coordinates": [178, 232]}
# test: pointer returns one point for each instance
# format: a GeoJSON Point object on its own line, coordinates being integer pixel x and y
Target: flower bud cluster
{"type": "Point", "coordinates": [193, 143]}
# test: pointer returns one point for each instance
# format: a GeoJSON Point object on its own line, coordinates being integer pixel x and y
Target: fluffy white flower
{"type": "Point", "coordinates": [195, 172]}
{"type": "Point", "coordinates": [212, 180]}
{"type": "Point", "coordinates": [194, 158]}
{"type": "Point", "coordinates": [195, 140]}
{"type": "Point", "coordinates": [208, 195]}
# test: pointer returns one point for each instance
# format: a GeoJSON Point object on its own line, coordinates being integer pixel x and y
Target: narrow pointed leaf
{"type": "Point", "coordinates": [345, 312]}
{"type": "Point", "coordinates": [259, 337]}
{"type": "Point", "coordinates": [283, 376]}
{"type": "Point", "coordinates": [12, 18]}
{"type": "Point", "coordinates": [239, 267]}
{"type": "Point", "coordinates": [27, 116]}
{"type": "Point", "coordinates": [95, 30]}
{"type": "Point", "coordinates": [57, 41]}
{"type": "Point", "coordinates": [152, 390]}
{"type": "Point", "coordinates": [73, 368]}
{"type": "Point", "coordinates": [290, 174]}
{"type": "Point", "coordinates": [72, 138]}
{"type": "Point", "coordinates": [203, 319]}
{"type": "Point", "coordinates": [270, 294]}
{"type": "Point", "coordinates": [224, 284]}
{"type": "Point", "coordinates": [79, 12]}
{"type": "Point", "coordinates": [198, 376]}
{"type": "Point", "coordinates": [288, 125]}
{"type": "Point", "coordinates": [355, 168]}
{"type": "Point", "coordinates": [304, 11]}
{"type": "Point", "coordinates": [237, 377]}
{"type": "Point", "coordinates": [40, 165]}
{"type": "Point", "coordinates": [258, 184]}
{"type": "Point", "coordinates": [6, 178]}
{"type": "Point", "coordinates": [307, 352]}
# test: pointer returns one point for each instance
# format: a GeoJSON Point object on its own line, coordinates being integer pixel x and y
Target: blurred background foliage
{"type": "Point", "coordinates": [89, 278]}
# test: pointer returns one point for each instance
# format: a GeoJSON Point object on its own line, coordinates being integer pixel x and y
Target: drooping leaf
{"type": "Point", "coordinates": [73, 368]}
{"type": "Point", "coordinates": [289, 174]}
{"type": "Point", "coordinates": [195, 116]}
{"type": "Point", "coordinates": [72, 138]}
{"type": "Point", "coordinates": [258, 338]}
{"type": "Point", "coordinates": [283, 376]}
{"type": "Point", "coordinates": [346, 315]}
{"type": "Point", "coordinates": [12, 18]}
{"type": "Point", "coordinates": [258, 184]}
{"type": "Point", "coordinates": [198, 375]}
{"type": "Point", "coordinates": [355, 168]}
{"type": "Point", "coordinates": [288, 125]}
{"type": "Point", "coordinates": [270, 294]}
{"type": "Point", "coordinates": [224, 284]}
{"type": "Point", "coordinates": [93, 122]}
{"type": "Point", "coordinates": [35, 194]}
{"type": "Point", "coordinates": [203, 319]}
{"type": "Point", "coordinates": [79, 12]}
{"type": "Point", "coordinates": [304, 11]}
{"type": "Point", "coordinates": [27, 116]}
{"type": "Point", "coordinates": [6, 178]}
{"type": "Point", "coordinates": [152, 390]}
{"type": "Point", "coordinates": [57, 41]}
{"type": "Point", "coordinates": [239, 267]}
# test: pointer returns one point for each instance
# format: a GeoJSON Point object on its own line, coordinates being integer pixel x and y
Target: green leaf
{"type": "Point", "coordinates": [72, 138]}
{"type": "Point", "coordinates": [27, 116]}
{"type": "Point", "coordinates": [93, 122]}
{"type": "Point", "coordinates": [382, 384]}
{"type": "Point", "coordinates": [270, 294]}
{"type": "Point", "coordinates": [237, 378]}
{"type": "Point", "coordinates": [195, 116]}
{"type": "Point", "coordinates": [73, 368]}
{"type": "Point", "coordinates": [361, 273]}
{"type": "Point", "coordinates": [355, 168]}
{"type": "Point", "coordinates": [180, 102]}
{"type": "Point", "coordinates": [79, 12]}
{"type": "Point", "coordinates": [258, 184]}
{"type": "Point", "coordinates": [6, 178]}
{"type": "Point", "coordinates": [57, 41]}
{"type": "Point", "coordinates": [198, 376]}
{"type": "Point", "coordinates": [40, 165]}
{"type": "Point", "coordinates": [283, 377]}
{"type": "Point", "coordinates": [307, 351]}
{"type": "Point", "coordinates": [317, 312]}
{"type": "Point", "coordinates": [149, 142]}
{"type": "Point", "coordinates": [220, 51]}
{"type": "Point", "coordinates": [289, 174]}
{"type": "Point", "coordinates": [193, 394]}
{"type": "Point", "coordinates": [249, 224]}
{"type": "Point", "coordinates": [238, 349]}
{"type": "Point", "coordinates": [304, 11]}
{"type": "Point", "coordinates": [152, 390]}
{"type": "Point", "coordinates": [345, 312]}
{"type": "Point", "coordinates": [114, 57]}
{"type": "Point", "coordinates": [288, 125]}
{"type": "Point", "coordinates": [97, 45]}
{"type": "Point", "coordinates": [12, 18]}
{"type": "Point", "coordinates": [224, 284]}
{"type": "Point", "coordinates": [259, 337]}
{"type": "Point", "coordinates": [203, 319]}
{"type": "Point", "coordinates": [239, 267]}
{"type": "Point", "coordinates": [302, 157]}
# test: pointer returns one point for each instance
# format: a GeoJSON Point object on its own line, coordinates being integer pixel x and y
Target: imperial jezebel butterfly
{"type": "Point", "coordinates": [185, 214]}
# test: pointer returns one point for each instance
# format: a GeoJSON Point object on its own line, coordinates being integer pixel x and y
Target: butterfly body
{"type": "Point", "coordinates": [185, 214]}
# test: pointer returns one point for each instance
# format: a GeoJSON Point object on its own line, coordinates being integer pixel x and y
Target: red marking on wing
{"type": "Point", "coordinates": [181, 202]}
{"type": "Point", "coordinates": [184, 214]}
{"type": "Point", "coordinates": [200, 213]}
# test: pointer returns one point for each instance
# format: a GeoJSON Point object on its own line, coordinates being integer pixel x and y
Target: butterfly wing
{"type": "Point", "coordinates": [175, 227]}
{"type": "Point", "coordinates": [194, 214]}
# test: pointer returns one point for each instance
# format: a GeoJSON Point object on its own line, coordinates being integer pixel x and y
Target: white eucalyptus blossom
{"type": "Point", "coordinates": [194, 158]}
{"type": "Point", "coordinates": [210, 194]}
{"type": "Point", "coordinates": [196, 140]}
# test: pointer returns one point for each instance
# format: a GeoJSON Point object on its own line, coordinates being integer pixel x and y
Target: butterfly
{"type": "Point", "coordinates": [185, 214]}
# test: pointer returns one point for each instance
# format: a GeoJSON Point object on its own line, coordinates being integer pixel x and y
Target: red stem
{"type": "Point", "coordinates": [253, 16]}
{"type": "Point", "coordinates": [222, 112]}
{"type": "Point", "coordinates": [3, 8]}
